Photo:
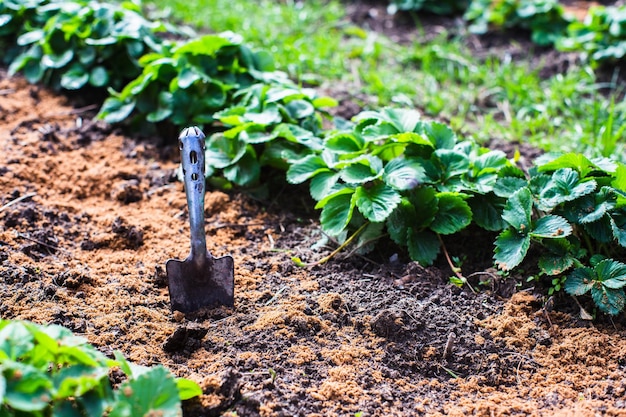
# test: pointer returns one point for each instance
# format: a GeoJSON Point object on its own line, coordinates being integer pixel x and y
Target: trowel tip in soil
{"type": "Point", "coordinates": [193, 289]}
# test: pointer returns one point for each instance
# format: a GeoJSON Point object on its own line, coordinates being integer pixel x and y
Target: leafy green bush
{"type": "Point", "coordinates": [545, 19]}
{"type": "Point", "coordinates": [70, 44]}
{"type": "Point", "coordinates": [413, 177]}
{"type": "Point", "coordinates": [600, 37]}
{"type": "Point", "coordinates": [574, 210]}
{"type": "Point", "coordinates": [46, 370]}
{"type": "Point", "coordinates": [218, 80]}
{"type": "Point", "coordinates": [189, 82]}
{"type": "Point", "coordinates": [439, 7]}
{"type": "Point", "coordinates": [391, 173]}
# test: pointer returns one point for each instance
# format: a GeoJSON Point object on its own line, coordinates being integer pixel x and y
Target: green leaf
{"type": "Point", "coordinates": [344, 143]}
{"type": "Point", "coordinates": [487, 211]}
{"type": "Point", "coordinates": [518, 210]}
{"type": "Point", "coordinates": [400, 220]}
{"type": "Point", "coordinates": [619, 179]}
{"type": "Point", "coordinates": [453, 214]}
{"type": "Point", "coordinates": [75, 78]}
{"type": "Point", "coordinates": [222, 152]}
{"type": "Point", "coordinates": [164, 109]}
{"type": "Point", "coordinates": [379, 131]}
{"type": "Point", "coordinates": [15, 340]}
{"type": "Point", "coordinates": [187, 77]}
{"type": "Point", "coordinates": [424, 199]}
{"type": "Point", "coordinates": [206, 45]}
{"type": "Point", "coordinates": [99, 77]}
{"type": "Point", "coordinates": [551, 264]}
{"type": "Point", "coordinates": [57, 61]}
{"type": "Point", "coordinates": [490, 161]}
{"type": "Point", "coordinates": [31, 36]}
{"type": "Point", "coordinates": [600, 230]}
{"type": "Point", "coordinates": [187, 389]}
{"type": "Point", "coordinates": [337, 190]}
{"type": "Point", "coordinates": [361, 170]}
{"type": "Point", "coordinates": [76, 380]}
{"type": "Point", "coordinates": [322, 183]}
{"type": "Point", "coordinates": [269, 116]}
{"type": "Point", "coordinates": [154, 392]}
{"type": "Point", "coordinates": [246, 171]}
{"type": "Point", "coordinates": [580, 281]}
{"type": "Point", "coordinates": [565, 186]}
{"type": "Point", "coordinates": [551, 226]}
{"type": "Point", "coordinates": [591, 208]}
{"type": "Point", "coordinates": [618, 225]}
{"type": "Point", "coordinates": [423, 246]}
{"type": "Point", "coordinates": [115, 110]}
{"type": "Point", "coordinates": [611, 273]}
{"type": "Point", "coordinates": [337, 213]}
{"type": "Point", "coordinates": [123, 363]}
{"type": "Point", "coordinates": [27, 388]}
{"type": "Point", "coordinates": [297, 134]}
{"type": "Point", "coordinates": [440, 135]}
{"type": "Point", "coordinates": [306, 168]}
{"type": "Point", "coordinates": [325, 102]}
{"type": "Point", "coordinates": [299, 109]}
{"type": "Point", "coordinates": [403, 174]}
{"type": "Point", "coordinates": [511, 248]}
{"type": "Point", "coordinates": [583, 165]}
{"type": "Point", "coordinates": [557, 256]}
{"type": "Point", "coordinates": [608, 300]}
{"type": "Point", "coordinates": [404, 120]}
{"type": "Point", "coordinates": [451, 162]}
{"type": "Point", "coordinates": [377, 202]}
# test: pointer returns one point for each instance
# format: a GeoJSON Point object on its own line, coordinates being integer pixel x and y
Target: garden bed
{"type": "Point", "coordinates": [90, 216]}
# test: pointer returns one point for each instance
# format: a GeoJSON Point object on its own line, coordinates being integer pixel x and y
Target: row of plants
{"type": "Point", "coordinates": [72, 44]}
{"type": "Point", "coordinates": [386, 172]}
{"type": "Point", "coordinates": [148, 76]}
{"type": "Point", "coordinates": [391, 174]}
{"type": "Point", "coordinates": [48, 371]}
{"type": "Point", "coordinates": [599, 36]}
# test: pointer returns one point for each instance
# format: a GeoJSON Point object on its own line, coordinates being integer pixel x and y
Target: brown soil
{"type": "Point", "coordinates": [88, 218]}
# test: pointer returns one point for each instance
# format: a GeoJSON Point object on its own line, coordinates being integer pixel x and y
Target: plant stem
{"type": "Point", "coordinates": [335, 252]}
{"type": "Point", "coordinates": [455, 269]}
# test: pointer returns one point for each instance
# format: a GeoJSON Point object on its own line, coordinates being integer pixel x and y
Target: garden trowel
{"type": "Point", "coordinates": [200, 281]}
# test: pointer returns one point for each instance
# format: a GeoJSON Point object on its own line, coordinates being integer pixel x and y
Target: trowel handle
{"type": "Point", "coordinates": [191, 144]}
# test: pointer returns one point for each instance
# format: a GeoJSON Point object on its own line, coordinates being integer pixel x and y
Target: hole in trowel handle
{"type": "Point", "coordinates": [193, 157]}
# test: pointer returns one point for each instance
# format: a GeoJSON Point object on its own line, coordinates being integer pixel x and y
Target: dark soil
{"type": "Point", "coordinates": [89, 216]}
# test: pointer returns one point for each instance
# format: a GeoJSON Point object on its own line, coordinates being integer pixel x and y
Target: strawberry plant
{"type": "Point", "coordinates": [545, 19]}
{"type": "Point", "coordinates": [394, 171]}
{"type": "Point", "coordinates": [47, 370]}
{"type": "Point", "coordinates": [574, 210]}
{"type": "Point", "coordinates": [71, 44]}
{"type": "Point", "coordinates": [209, 79]}
{"type": "Point", "coordinates": [600, 37]}
{"type": "Point", "coordinates": [439, 7]}
{"type": "Point", "coordinates": [269, 125]}
{"type": "Point", "coordinates": [605, 280]}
